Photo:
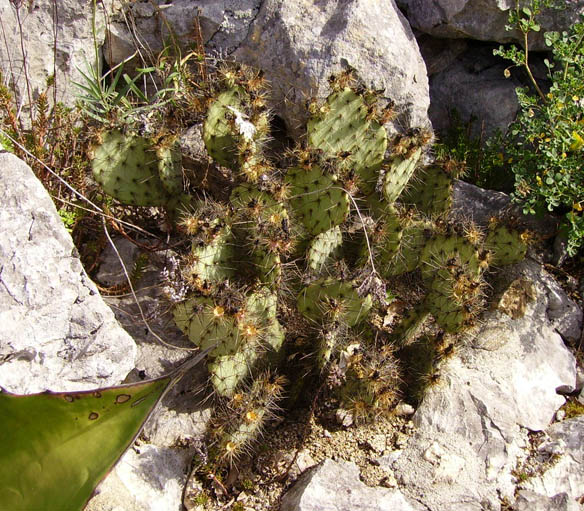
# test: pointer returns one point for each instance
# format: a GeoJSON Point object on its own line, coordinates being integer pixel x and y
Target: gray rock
{"type": "Point", "coordinates": [477, 204]}
{"type": "Point", "coordinates": [55, 330]}
{"type": "Point", "coordinates": [475, 88]}
{"type": "Point", "coordinates": [531, 501]}
{"type": "Point", "coordinates": [224, 25]}
{"type": "Point", "coordinates": [75, 45]}
{"type": "Point", "coordinates": [301, 44]}
{"type": "Point", "coordinates": [484, 20]}
{"type": "Point", "coordinates": [471, 426]}
{"type": "Point", "coordinates": [336, 486]}
{"type": "Point", "coordinates": [565, 472]}
{"type": "Point", "coordinates": [147, 478]}
{"type": "Point", "coordinates": [297, 44]}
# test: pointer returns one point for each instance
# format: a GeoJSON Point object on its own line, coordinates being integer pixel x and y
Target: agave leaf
{"type": "Point", "coordinates": [58, 446]}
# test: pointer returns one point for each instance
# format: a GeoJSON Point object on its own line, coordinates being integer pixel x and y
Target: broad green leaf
{"type": "Point", "coordinates": [56, 447]}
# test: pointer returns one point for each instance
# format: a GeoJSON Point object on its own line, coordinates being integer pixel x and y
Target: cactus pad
{"type": "Point", "coordinates": [330, 299]}
{"type": "Point", "coordinates": [342, 127]}
{"type": "Point", "coordinates": [239, 334]}
{"type": "Point", "coordinates": [233, 136]}
{"type": "Point", "coordinates": [212, 262]}
{"type": "Point", "coordinates": [431, 193]}
{"type": "Point", "coordinates": [317, 199]}
{"type": "Point", "coordinates": [170, 169]}
{"type": "Point", "coordinates": [507, 245]}
{"type": "Point", "coordinates": [126, 167]}
{"type": "Point", "coordinates": [398, 174]}
{"type": "Point", "coordinates": [323, 248]}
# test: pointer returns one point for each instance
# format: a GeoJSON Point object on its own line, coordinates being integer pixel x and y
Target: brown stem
{"type": "Point", "coordinates": [24, 62]}
{"type": "Point", "coordinates": [529, 73]}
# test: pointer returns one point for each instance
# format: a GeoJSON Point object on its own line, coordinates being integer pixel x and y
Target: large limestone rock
{"type": "Point", "coordinates": [301, 44]}
{"type": "Point", "coordinates": [69, 22]}
{"type": "Point", "coordinates": [147, 478]}
{"type": "Point", "coordinates": [223, 23]}
{"type": "Point", "coordinates": [336, 486]}
{"type": "Point", "coordinates": [55, 330]}
{"type": "Point", "coordinates": [484, 20]}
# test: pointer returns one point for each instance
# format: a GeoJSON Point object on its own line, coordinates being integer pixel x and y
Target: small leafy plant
{"type": "Point", "coordinates": [544, 147]}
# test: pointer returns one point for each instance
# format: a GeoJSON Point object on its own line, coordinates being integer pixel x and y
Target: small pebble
{"type": "Point", "coordinates": [404, 410]}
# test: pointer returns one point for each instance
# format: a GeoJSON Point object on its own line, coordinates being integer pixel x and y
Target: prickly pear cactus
{"type": "Point", "coordinates": [398, 174]}
{"type": "Point", "coordinates": [324, 248]}
{"type": "Point", "coordinates": [235, 134]}
{"type": "Point", "coordinates": [317, 198]}
{"type": "Point", "coordinates": [170, 168]}
{"type": "Point", "coordinates": [431, 191]}
{"type": "Point", "coordinates": [242, 420]}
{"type": "Point", "coordinates": [333, 300]}
{"type": "Point", "coordinates": [344, 129]}
{"type": "Point", "coordinates": [310, 246]}
{"type": "Point", "coordinates": [507, 245]}
{"type": "Point", "coordinates": [238, 334]}
{"type": "Point", "coordinates": [127, 168]}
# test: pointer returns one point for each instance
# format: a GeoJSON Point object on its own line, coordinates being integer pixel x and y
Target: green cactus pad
{"type": "Point", "coordinates": [268, 266]}
{"type": "Point", "coordinates": [126, 167]}
{"type": "Point", "coordinates": [507, 245]}
{"type": "Point", "coordinates": [443, 250]}
{"type": "Point", "coordinates": [170, 169]}
{"type": "Point", "coordinates": [257, 204]}
{"type": "Point", "coordinates": [342, 128]}
{"type": "Point", "coordinates": [448, 314]}
{"type": "Point", "coordinates": [218, 132]}
{"type": "Point", "coordinates": [431, 192]}
{"type": "Point", "coordinates": [228, 371]}
{"type": "Point", "coordinates": [323, 248]}
{"type": "Point", "coordinates": [385, 242]}
{"type": "Point", "coordinates": [414, 238]}
{"type": "Point", "coordinates": [239, 336]}
{"type": "Point", "coordinates": [398, 174]}
{"type": "Point", "coordinates": [234, 133]}
{"type": "Point", "coordinates": [317, 199]}
{"type": "Point", "coordinates": [243, 420]}
{"type": "Point", "coordinates": [206, 324]}
{"type": "Point", "coordinates": [331, 299]}
{"type": "Point", "coordinates": [213, 262]}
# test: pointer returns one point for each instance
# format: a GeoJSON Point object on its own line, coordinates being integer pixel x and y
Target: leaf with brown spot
{"type": "Point", "coordinates": [58, 446]}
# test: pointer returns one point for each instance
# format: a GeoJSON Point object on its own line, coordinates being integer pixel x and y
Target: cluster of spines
{"type": "Point", "coordinates": [237, 125]}
{"type": "Point", "coordinates": [242, 418]}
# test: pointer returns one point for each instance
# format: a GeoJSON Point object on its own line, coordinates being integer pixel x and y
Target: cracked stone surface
{"type": "Point", "coordinates": [336, 486]}
{"type": "Point", "coordinates": [564, 448]}
{"type": "Point", "coordinates": [484, 20]}
{"type": "Point", "coordinates": [56, 332]}
{"type": "Point", "coordinates": [224, 25]}
{"type": "Point", "coordinates": [75, 45]}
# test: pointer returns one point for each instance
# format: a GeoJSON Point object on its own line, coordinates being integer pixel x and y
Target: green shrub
{"type": "Point", "coordinates": [544, 147]}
